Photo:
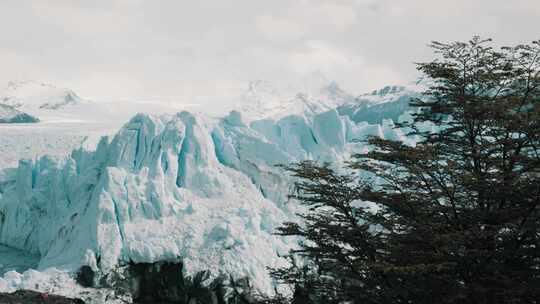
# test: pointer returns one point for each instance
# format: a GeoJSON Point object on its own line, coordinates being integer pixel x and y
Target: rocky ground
{"type": "Point", "coordinates": [31, 297]}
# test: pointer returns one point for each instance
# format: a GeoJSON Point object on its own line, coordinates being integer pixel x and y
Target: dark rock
{"type": "Point", "coordinates": [85, 276]}
{"type": "Point", "coordinates": [159, 281]}
{"type": "Point", "coordinates": [31, 297]}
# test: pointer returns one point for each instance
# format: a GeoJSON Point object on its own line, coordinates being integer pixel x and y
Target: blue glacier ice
{"type": "Point", "coordinates": [204, 189]}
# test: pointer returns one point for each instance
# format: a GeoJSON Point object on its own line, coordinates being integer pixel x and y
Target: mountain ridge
{"type": "Point", "coordinates": [9, 114]}
{"type": "Point", "coordinates": [35, 95]}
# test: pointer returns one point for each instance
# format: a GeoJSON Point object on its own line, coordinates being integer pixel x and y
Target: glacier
{"type": "Point", "coordinates": [206, 189]}
{"type": "Point", "coordinates": [203, 189]}
{"type": "Point", "coordinates": [65, 120]}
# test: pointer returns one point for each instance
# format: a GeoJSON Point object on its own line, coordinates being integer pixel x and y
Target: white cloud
{"type": "Point", "coordinates": [276, 27]}
{"type": "Point", "coordinates": [123, 48]}
{"type": "Point", "coordinates": [83, 21]}
{"type": "Point", "coordinates": [321, 56]}
{"type": "Point", "coordinates": [306, 18]}
{"type": "Point", "coordinates": [340, 64]}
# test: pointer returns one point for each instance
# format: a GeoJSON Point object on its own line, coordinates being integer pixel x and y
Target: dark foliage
{"type": "Point", "coordinates": [165, 282]}
{"type": "Point", "coordinates": [453, 219]}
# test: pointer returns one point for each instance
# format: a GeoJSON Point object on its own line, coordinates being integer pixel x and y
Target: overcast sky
{"type": "Point", "coordinates": [109, 49]}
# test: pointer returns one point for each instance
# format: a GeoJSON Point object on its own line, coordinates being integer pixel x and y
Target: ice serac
{"type": "Point", "coordinates": [206, 190]}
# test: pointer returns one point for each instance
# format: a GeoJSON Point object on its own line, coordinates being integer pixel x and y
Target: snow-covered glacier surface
{"type": "Point", "coordinates": [43, 119]}
{"type": "Point", "coordinates": [203, 189]}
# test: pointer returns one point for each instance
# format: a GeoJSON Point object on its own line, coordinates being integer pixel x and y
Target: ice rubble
{"type": "Point", "coordinates": [189, 186]}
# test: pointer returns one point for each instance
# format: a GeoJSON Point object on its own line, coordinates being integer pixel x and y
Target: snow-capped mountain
{"type": "Point", "coordinates": [389, 102]}
{"type": "Point", "coordinates": [33, 95]}
{"type": "Point", "coordinates": [262, 100]}
{"type": "Point", "coordinates": [9, 114]}
{"type": "Point", "coordinates": [265, 100]}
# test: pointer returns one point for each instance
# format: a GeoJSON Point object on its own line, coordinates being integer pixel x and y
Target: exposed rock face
{"type": "Point", "coordinates": [9, 114]}
{"type": "Point", "coordinates": [32, 297]}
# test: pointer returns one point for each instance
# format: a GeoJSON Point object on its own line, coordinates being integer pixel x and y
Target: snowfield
{"type": "Point", "coordinates": [63, 126]}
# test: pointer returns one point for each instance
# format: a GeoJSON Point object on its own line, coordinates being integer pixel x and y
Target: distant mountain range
{"type": "Point", "coordinates": [262, 100]}
{"type": "Point", "coordinates": [389, 102]}
{"type": "Point", "coordinates": [24, 102]}
{"type": "Point", "coordinates": [32, 95]}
